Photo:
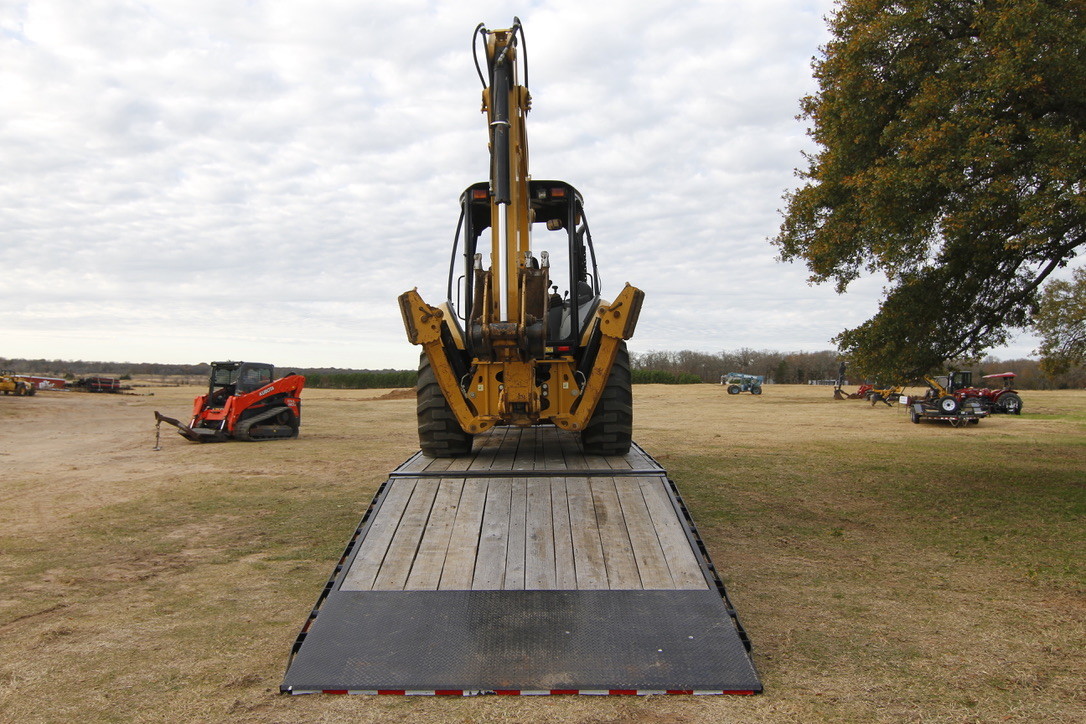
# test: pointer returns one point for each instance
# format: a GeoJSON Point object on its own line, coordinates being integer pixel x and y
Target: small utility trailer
{"type": "Point", "coordinates": [969, 413]}
{"type": "Point", "coordinates": [527, 567]}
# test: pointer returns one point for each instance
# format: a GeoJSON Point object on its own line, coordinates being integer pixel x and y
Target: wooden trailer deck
{"type": "Point", "coordinates": [442, 527]}
{"type": "Point", "coordinates": [526, 567]}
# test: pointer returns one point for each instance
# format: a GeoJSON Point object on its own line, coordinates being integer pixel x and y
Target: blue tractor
{"type": "Point", "coordinates": [738, 382]}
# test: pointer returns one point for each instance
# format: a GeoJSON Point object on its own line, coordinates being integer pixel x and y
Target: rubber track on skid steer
{"type": "Point", "coordinates": [525, 568]}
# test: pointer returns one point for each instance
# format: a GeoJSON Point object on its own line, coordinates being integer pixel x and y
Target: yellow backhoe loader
{"type": "Point", "coordinates": [12, 384]}
{"type": "Point", "coordinates": [510, 346]}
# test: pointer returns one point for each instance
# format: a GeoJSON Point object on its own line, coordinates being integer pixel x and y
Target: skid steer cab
{"type": "Point", "coordinates": [245, 402]}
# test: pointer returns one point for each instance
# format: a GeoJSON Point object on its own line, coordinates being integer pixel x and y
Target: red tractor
{"type": "Point", "coordinates": [244, 402]}
{"type": "Point", "coordinates": [1004, 399]}
{"type": "Point", "coordinates": [959, 386]}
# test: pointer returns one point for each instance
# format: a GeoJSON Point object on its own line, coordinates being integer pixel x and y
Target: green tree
{"type": "Point", "coordinates": [1061, 322]}
{"type": "Point", "coordinates": [952, 150]}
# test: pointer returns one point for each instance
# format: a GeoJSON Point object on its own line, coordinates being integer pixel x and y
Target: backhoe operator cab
{"type": "Point", "coordinates": [566, 252]}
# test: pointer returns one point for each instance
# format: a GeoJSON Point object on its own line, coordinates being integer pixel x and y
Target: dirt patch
{"type": "Point", "coordinates": [406, 393]}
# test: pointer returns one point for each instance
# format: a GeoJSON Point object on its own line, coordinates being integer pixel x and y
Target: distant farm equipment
{"type": "Point", "coordinates": [941, 388]}
{"type": "Point", "coordinates": [933, 408]}
{"type": "Point", "coordinates": [98, 384]}
{"type": "Point", "coordinates": [838, 387]}
{"type": "Point", "coordinates": [1004, 399]}
{"type": "Point", "coordinates": [873, 393]}
{"type": "Point", "coordinates": [886, 395]}
{"type": "Point", "coordinates": [738, 382]}
{"type": "Point", "coordinates": [244, 401]}
{"type": "Point", "coordinates": [840, 394]}
{"type": "Point", "coordinates": [41, 382]}
{"type": "Point", "coordinates": [11, 384]}
{"type": "Point", "coordinates": [958, 385]}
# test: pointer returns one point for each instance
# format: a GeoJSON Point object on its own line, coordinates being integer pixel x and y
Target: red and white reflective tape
{"type": "Point", "coordinates": [525, 692]}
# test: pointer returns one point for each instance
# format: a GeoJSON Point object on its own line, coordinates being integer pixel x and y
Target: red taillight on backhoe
{"type": "Point", "coordinates": [558, 193]}
{"type": "Point", "coordinates": [478, 193]}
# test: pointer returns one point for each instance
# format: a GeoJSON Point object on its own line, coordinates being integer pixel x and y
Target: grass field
{"type": "Point", "coordinates": [885, 571]}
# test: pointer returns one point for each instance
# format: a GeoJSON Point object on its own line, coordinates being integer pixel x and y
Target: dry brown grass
{"type": "Point", "coordinates": [885, 571]}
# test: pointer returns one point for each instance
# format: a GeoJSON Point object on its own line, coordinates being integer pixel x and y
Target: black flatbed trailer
{"type": "Point", "coordinates": [965, 415]}
{"type": "Point", "coordinates": [527, 567]}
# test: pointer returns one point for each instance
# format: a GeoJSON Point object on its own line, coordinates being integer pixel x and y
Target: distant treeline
{"type": "Point", "coordinates": [662, 377]}
{"type": "Point", "coordinates": [778, 367]}
{"type": "Point", "coordinates": [329, 377]}
{"type": "Point", "coordinates": [803, 367]}
{"type": "Point", "coordinates": [78, 368]}
{"type": "Point", "coordinates": [384, 379]}
{"type": "Point", "coordinates": [683, 367]}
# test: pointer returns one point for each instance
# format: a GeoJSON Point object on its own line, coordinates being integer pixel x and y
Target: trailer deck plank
{"type": "Point", "coordinates": [588, 561]}
{"type": "Point", "coordinates": [485, 456]}
{"type": "Point", "coordinates": [493, 538]}
{"type": "Point", "coordinates": [614, 536]}
{"type": "Point", "coordinates": [459, 566]}
{"type": "Point", "coordinates": [539, 564]}
{"type": "Point", "coordinates": [552, 456]}
{"type": "Point", "coordinates": [651, 563]}
{"type": "Point", "coordinates": [401, 555]}
{"type": "Point", "coordinates": [525, 565]}
{"type": "Point", "coordinates": [515, 552]}
{"type": "Point", "coordinates": [457, 464]}
{"type": "Point", "coordinates": [374, 547]}
{"type": "Point", "coordinates": [565, 574]}
{"type": "Point", "coordinates": [524, 459]}
{"type": "Point", "coordinates": [685, 570]}
{"type": "Point", "coordinates": [426, 571]}
{"type": "Point", "coordinates": [616, 462]}
{"type": "Point", "coordinates": [418, 463]}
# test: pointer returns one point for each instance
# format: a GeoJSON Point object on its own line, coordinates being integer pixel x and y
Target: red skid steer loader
{"type": "Point", "coordinates": [243, 402]}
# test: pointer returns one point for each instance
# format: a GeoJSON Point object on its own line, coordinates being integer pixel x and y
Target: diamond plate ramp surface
{"type": "Point", "coordinates": [522, 640]}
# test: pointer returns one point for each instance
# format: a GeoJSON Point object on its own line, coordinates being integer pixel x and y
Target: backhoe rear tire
{"type": "Point", "coordinates": [610, 429]}
{"type": "Point", "coordinates": [440, 435]}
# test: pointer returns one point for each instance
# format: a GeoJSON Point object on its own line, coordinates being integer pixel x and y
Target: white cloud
{"type": "Point", "coordinates": [191, 180]}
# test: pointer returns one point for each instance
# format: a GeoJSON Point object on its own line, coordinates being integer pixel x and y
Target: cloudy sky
{"type": "Point", "coordinates": [196, 179]}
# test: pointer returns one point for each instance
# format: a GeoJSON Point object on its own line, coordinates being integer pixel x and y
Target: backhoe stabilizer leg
{"type": "Point", "coordinates": [617, 322]}
{"type": "Point", "coordinates": [423, 325]}
{"type": "Point", "coordinates": [619, 318]}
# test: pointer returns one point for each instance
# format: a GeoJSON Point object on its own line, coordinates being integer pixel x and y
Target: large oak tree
{"type": "Point", "coordinates": [1061, 321]}
{"type": "Point", "coordinates": [952, 156]}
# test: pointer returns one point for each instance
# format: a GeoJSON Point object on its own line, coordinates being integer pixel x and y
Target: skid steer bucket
{"type": "Point", "coordinates": [200, 434]}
